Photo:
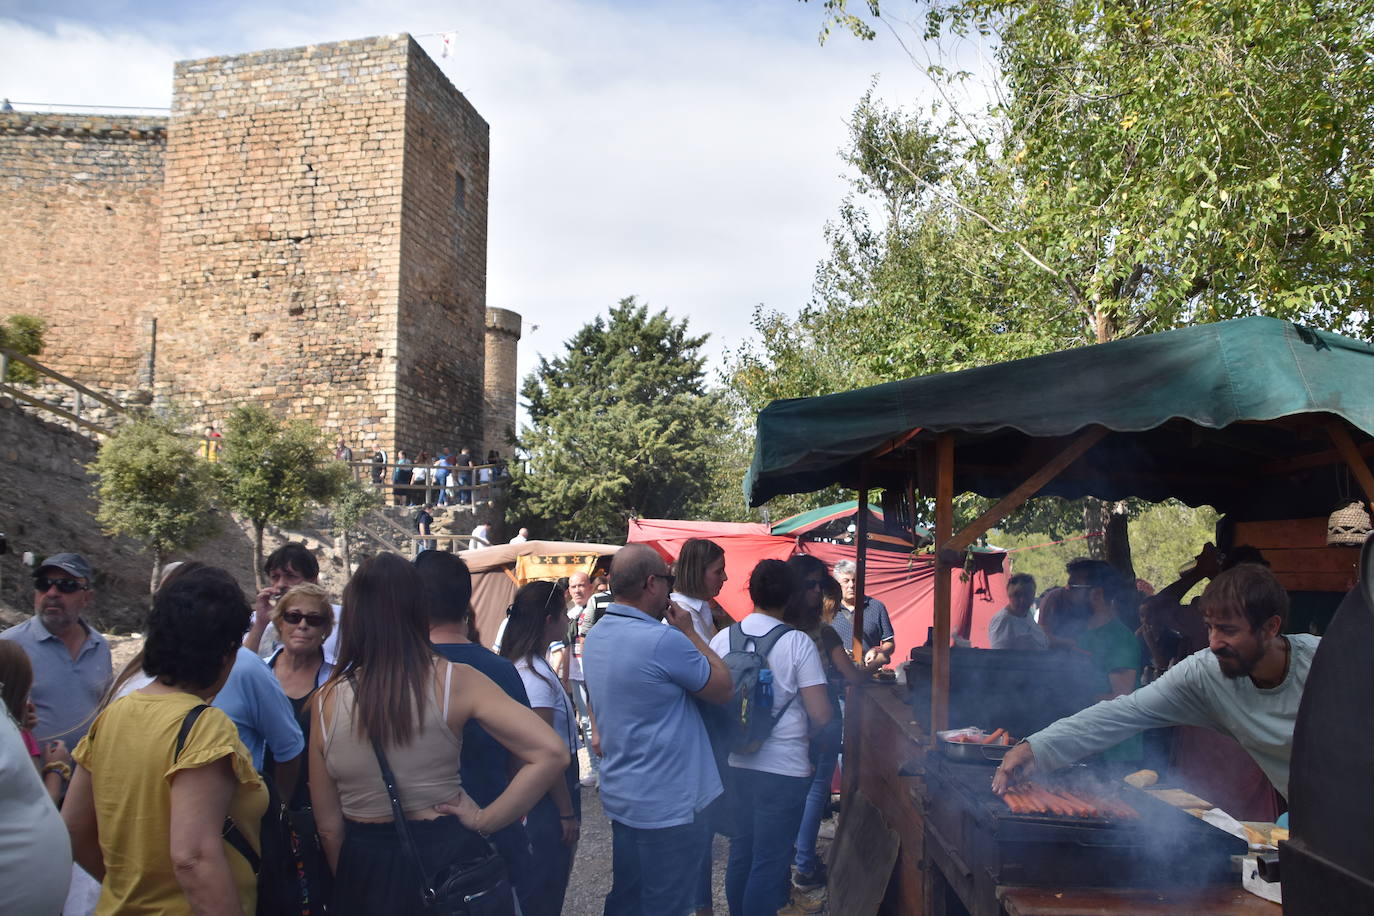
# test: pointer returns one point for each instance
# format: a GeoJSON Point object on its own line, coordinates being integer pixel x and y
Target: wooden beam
{"type": "Point", "coordinates": [944, 525]}
{"type": "Point", "coordinates": [1016, 498]}
{"type": "Point", "coordinates": [856, 644]}
{"type": "Point", "coordinates": [1314, 460]}
{"type": "Point", "coordinates": [893, 444]}
{"type": "Point", "coordinates": [1358, 466]}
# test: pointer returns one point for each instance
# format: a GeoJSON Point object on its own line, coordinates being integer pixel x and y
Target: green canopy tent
{"type": "Point", "coordinates": [1257, 417]}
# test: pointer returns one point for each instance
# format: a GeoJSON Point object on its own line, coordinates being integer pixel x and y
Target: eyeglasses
{"type": "Point", "coordinates": [295, 617]}
{"type": "Point", "coordinates": [809, 584]}
{"type": "Point", "coordinates": [65, 586]}
{"type": "Point", "coordinates": [665, 577]}
{"type": "Point", "coordinates": [1084, 588]}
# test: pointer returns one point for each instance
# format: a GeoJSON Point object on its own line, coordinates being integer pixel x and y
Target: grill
{"type": "Point", "coordinates": [979, 844]}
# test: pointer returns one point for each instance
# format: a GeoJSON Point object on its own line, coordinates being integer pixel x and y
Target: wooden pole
{"type": "Point", "coordinates": [944, 529]}
{"type": "Point", "coordinates": [1358, 466]}
{"type": "Point", "coordinates": [856, 646]}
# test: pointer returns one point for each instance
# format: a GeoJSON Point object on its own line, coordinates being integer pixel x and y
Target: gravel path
{"type": "Point", "coordinates": [591, 874]}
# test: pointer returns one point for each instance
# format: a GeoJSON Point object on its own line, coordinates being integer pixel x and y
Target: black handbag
{"type": "Point", "coordinates": [479, 887]}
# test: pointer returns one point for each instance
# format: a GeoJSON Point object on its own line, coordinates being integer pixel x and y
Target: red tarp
{"type": "Point", "coordinates": [904, 583]}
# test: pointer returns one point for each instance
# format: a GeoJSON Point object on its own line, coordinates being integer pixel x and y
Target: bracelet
{"type": "Point", "coordinates": [60, 768]}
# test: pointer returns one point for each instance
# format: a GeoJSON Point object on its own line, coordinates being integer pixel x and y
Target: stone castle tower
{"type": "Point", "coordinates": [307, 231]}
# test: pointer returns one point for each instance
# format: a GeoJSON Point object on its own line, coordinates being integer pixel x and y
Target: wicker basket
{"type": "Point", "coordinates": [1349, 525]}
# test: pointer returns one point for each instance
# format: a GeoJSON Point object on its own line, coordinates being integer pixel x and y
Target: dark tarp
{"type": "Point", "coordinates": [1230, 415]}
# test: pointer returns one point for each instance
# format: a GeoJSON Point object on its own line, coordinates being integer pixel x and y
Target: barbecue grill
{"type": "Point", "coordinates": [979, 844]}
{"type": "Point", "coordinates": [1328, 865]}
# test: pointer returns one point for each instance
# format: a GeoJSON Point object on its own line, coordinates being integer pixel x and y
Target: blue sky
{"type": "Point", "coordinates": [686, 153]}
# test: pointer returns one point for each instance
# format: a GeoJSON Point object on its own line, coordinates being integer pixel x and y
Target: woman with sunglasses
{"type": "Point", "coordinates": [304, 618]}
{"type": "Point", "coordinates": [535, 619]}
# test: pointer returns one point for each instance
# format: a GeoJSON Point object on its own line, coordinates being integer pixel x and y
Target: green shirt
{"type": "Point", "coordinates": [1113, 647]}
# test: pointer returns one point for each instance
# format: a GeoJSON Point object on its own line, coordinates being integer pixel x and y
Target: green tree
{"type": "Point", "coordinates": [153, 487]}
{"type": "Point", "coordinates": [1141, 167]}
{"type": "Point", "coordinates": [23, 334]}
{"type": "Point", "coordinates": [353, 501]}
{"type": "Point", "coordinates": [621, 425]}
{"type": "Point", "coordinates": [271, 472]}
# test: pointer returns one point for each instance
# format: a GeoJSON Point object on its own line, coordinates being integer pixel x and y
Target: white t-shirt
{"type": "Point", "coordinates": [546, 692]}
{"type": "Point", "coordinates": [795, 664]}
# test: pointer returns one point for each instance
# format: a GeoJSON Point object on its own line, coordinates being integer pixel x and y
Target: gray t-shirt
{"type": "Point", "coordinates": [1010, 631]}
{"type": "Point", "coordinates": [1193, 692]}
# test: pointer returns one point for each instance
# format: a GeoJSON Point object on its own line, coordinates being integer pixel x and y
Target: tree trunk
{"type": "Point", "coordinates": [257, 554]}
{"type": "Point", "coordinates": [1095, 526]}
{"type": "Point", "coordinates": [1116, 542]}
{"type": "Point", "coordinates": [348, 555]}
{"type": "Point", "coordinates": [157, 571]}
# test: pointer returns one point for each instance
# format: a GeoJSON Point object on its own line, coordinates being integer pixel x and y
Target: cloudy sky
{"type": "Point", "coordinates": [684, 152]}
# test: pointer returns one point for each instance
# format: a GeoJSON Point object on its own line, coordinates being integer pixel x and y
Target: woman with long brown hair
{"type": "Point", "coordinates": [536, 618]}
{"type": "Point", "coordinates": [392, 691]}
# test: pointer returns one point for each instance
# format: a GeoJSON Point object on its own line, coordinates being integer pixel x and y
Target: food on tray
{"type": "Point", "coordinates": [1180, 799]}
{"type": "Point", "coordinates": [1000, 737]}
{"type": "Point", "coordinates": [1142, 778]}
{"type": "Point", "coordinates": [1029, 798]}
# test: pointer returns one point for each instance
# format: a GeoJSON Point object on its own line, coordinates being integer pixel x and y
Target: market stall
{"type": "Point", "coordinates": [1256, 417]}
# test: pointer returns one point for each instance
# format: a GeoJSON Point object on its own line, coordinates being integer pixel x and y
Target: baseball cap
{"type": "Point", "coordinates": [73, 563]}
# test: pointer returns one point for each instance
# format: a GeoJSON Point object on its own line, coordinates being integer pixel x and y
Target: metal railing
{"type": "Point", "coordinates": [475, 492]}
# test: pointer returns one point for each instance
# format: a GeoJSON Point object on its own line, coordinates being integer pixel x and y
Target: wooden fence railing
{"type": "Point", "coordinates": [82, 393]}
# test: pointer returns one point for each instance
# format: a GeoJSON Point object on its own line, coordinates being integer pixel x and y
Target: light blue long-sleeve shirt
{"type": "Point", "coordinates": [1193, 692]}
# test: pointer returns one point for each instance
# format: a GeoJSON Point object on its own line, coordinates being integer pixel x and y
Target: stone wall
{"type": "Point", "coordinates": [280, 234]}
{"type": "Point", "coordinates": [442, 298]}
{"type": "Point", "coordinates": [80, 198]}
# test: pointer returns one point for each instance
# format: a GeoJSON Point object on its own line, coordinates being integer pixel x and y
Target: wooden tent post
{"type": "Point", "coordinates": [856, 646]}
{"type": "Point", "coordinates": [944, 530]}
{"type": "Point", "coordinates": [1353, 459]}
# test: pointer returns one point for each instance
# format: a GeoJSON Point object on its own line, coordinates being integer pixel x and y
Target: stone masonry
{"type": "Point", "coordinates": [306, 231]}
{"type": "Point", "coordinates": [79, 215]}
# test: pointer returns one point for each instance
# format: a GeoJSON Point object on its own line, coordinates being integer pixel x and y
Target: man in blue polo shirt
{"type": "Point", "coordinates": [657, 771]}
{"type": "Point", "coordinates": [71, 661]}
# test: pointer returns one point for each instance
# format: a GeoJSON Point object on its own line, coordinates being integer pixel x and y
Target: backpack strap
{"type": "Point", "coordinates": [765, 643]}
{"type": "Point", "coordinates": [230, 832]}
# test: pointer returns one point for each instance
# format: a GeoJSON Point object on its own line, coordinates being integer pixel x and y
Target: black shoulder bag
{"type": "Point", "coordinates": [476, 888]}
{"type": "Point", "coordinates": [231, 833]}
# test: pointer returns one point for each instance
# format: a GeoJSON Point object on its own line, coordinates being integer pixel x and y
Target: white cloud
{"type": "Point", "coordinates": [683, 153]}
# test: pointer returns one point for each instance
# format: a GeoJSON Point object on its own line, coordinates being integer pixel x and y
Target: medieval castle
{"type": "Point", "coordinates": [306, 230]}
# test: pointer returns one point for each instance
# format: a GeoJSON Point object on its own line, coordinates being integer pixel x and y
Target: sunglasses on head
{"type": "Point", "coordinates": [295, 617]}
{"type": "Point", "coordinates": [65, 586]}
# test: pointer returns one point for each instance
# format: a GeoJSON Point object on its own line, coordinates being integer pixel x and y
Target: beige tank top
{"type": "Point", "coordinates": [426, 769]}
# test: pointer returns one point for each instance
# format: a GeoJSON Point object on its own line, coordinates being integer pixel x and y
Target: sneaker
{"type": "Point", "coordinates": [812, 879]}
{"type": "Point", "coordinates": [590, 781]}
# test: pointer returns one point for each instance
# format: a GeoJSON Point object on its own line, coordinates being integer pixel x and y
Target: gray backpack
{"type": "Point", "coordinates": [749, 716]}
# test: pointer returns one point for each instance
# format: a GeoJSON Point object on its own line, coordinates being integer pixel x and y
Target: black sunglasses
{"type": "Point", "coordinates": [65, 586]}
{"type": "Point", "coordinates": [295, 617]}
{"type": "Point", "coordinates": [665, 577]}
{"type": "Point", "coordinates": [811, 583]}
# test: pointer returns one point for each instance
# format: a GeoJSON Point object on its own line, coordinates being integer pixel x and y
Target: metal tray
{"type": "Point", "coordinates": [974, 753]}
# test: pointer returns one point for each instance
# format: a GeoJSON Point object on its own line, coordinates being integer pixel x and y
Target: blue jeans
{"type": "Point", "coordinates": [654, 870]}
{"type": "Point", "coordinates": [768, 810]}
{"type": "Point", "coordinates": [817, 799]}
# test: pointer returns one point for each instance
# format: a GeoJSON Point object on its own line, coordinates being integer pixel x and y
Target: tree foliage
{"type": "Point", "coordinates": [621, 425]}
{"type": "Point", "coordinates": [153, 487]}
{"type": "Point", "coordinates": [271, 472]}
{"type": "Point", "coordinates": [1140, 167]}
{"type": "Point", "coordinates": [23, 334]}
{"type": "Point", "coordinates": [350, 505]}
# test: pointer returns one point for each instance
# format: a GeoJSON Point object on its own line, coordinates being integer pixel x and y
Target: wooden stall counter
{"type": "Point", "coordinates": [1092, 901]}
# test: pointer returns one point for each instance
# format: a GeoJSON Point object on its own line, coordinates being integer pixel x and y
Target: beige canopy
{"type": "Point", "coordinates": [497, 572]}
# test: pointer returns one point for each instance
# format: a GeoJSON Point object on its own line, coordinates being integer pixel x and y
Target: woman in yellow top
{"type": "Point", "coordinates": [145, 819]}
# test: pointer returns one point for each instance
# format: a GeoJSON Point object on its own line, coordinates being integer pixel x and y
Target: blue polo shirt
{"type": "Point", "coordinates": [482, 762]}
{"type": "Point", "coordinates": [657, 769]}
{"type": "Point", "coordinates": [877, 625]}
{"type": "Point", "coordinates": [259, 708]}
{"type": "Point", "coordinates": [65, 689]}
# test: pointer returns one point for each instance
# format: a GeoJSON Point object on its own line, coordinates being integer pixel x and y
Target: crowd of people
{"type": "Point", "coordinates": [290, 754]}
